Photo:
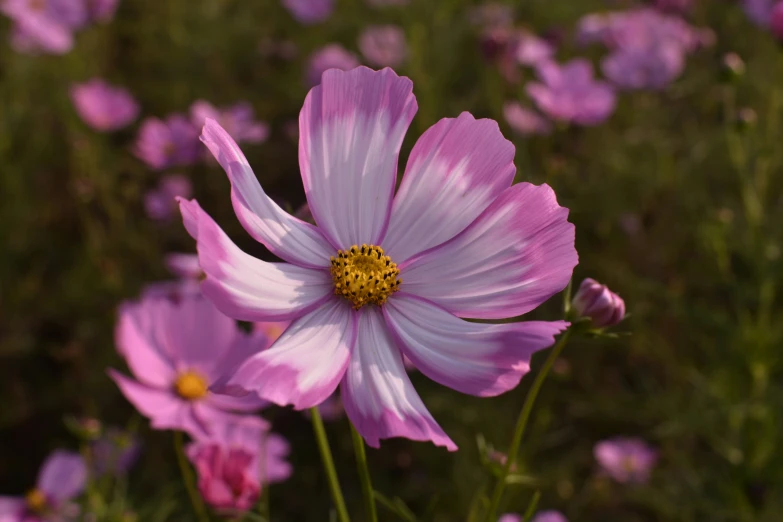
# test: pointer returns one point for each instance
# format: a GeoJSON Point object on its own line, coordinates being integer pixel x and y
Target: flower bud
{"type": "Point", "coordinates": [733, 66]}
{"type": "Point", "coordinates": [597, 302]}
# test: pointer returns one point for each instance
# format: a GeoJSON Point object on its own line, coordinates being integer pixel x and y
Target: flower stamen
{"type": "Point", "coordinates": [364, 275]}
{"type": "Point", "coordinates": [191, 385]}
{"type": "Point", "coordinates": [36, 501]}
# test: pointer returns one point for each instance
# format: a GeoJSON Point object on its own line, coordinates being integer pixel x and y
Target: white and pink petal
{"type": "Point", "coordinates": [474, 358]}
{"type": "Point", "coordinates": [351, 130]}
{"type": "Point", "coordinates": [247, 288]}
{"type": "Point", "coordinates": [305, 365]}
{"type": "Point", "coordinates": [286, 236]}
{"type": "Point", "coordinates": [137, 338]}
{"type": "Point", "coordinates": [456, 169]}
{"type": "Point", "coordinates": [378, 396]}
{"type": "Point", "coordinates": [513, 257]}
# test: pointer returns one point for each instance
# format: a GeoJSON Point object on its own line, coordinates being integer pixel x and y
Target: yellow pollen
{"type": "Point", "coordinates": [191, 385]}
{"type": "Point", "coordinates": [364, 275]}
{"type": "Point", "coordinates": [36, 501]}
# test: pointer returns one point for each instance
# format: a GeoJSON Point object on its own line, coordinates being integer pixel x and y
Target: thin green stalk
{"type": "Point", "coordinates": [522, 420]}
{"type": "Point", "coordinates": [187, 476]}
{"type": "Point", "coordinates": [364, 474]}
{"type": "Point", "coordinates": [328, 461]}
{"type": "Point", "coordinates": [531, 508]}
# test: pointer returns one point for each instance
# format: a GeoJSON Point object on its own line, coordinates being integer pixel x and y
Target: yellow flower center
{"type": "Point", "coordinates": [191, 385]}
{"type": "Point", "coordinates": [364, 275]}
{"type": "Point", "coordinates": [36, 501]}
{"type": "Point", "coordinates": [628, 464]}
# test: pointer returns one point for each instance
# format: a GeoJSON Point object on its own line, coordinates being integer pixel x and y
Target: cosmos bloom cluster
{"type": "Point", "coordinates": [47, 26]}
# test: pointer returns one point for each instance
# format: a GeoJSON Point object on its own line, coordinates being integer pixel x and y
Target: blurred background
{"type": "Point", "coordinates": [669, 159]}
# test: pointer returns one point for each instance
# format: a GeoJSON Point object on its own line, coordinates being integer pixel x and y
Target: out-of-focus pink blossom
{"type": "Point", "coordinates": [167, 143]}
{"type": "Point", "coordinates": [492, 15]}
{"type": "Point", "coordinates": [238, 120]}
{"type": "Point", "coordinates": [549, 516]}
{"type": "Point", "coordinates": [776, 20]}
{"type": "Point", "coordinates": [102, 10]}
{"type": "Point", "coordinates": [652, 67]}
{"type": "Point", "coordinates": [177, 351]}
{"type": "Point", "coordinates": [309, 11]}
{"type": "Point", "coordinates": [160, 203]}
{"type": "Point", "coordinates": [333, 56]}
{"type": "Point", "coordinates": [626, 460]}
{"type": "Point", "coordinates": [759, 11]}
{"type": "Point", "coordinates": [600, 304]}
{"type": "Point", "coordinates": [383, 45]}
{"type": "Point", "coordinates": [525, 121]}
{"type": "Point", "coordinates": [103, 106]}
{"type": "Point", "coordinates": [532, 50]}
{"type": "Point", "coordinates": [189, 274]}
{"type": "Point", "coordinates": [61, 478]}
{"type": "Point", "coordinates": [44, 25]}
{"type": "Point", "coordinates": [235, 461]}
{"type": "Point", "coordinates": [569, 93]}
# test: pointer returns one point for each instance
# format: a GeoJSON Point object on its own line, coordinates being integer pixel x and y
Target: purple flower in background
{"type": "Point", "coordinates": [160, 202]}
{"type": "Point", "coordinates": [600, 304]}
{"type": "Point", "coordinates": [163, 144]}
{"type": "Point", "coordinates": [309, 11]}
{"type": "Point", "coordinates": [541, 516]}
{"type": "Point", "coordinates": [626, 460]}
{"type": "Point", "coordinates": [62, 477]}
{"type": "Point", "coordinates": [115, 452]}
{"type": "Point", "coordinates": [652, 67]}
{"type": "Point", "coordinates": [510, 517]}
{"type": "Point", "coordinates": [184, 266]}
{"type": "Point", "coordinates": [383, 45]}
{"type": "Point", "coordinates": [44, 25]}
{"type": "Point", "coordinates": [569, 93]}
{"type": "Point", "coordinates": [102, 10]}
{"type": "Point", "coordinates": [776, 20]}
{"type": "Point", "coordinates": [236, 460]}
{"type": "Point", "coordinates": [176, 350]}
{"type": "Point", "coordinates": [102, 106]}
{"type": "Point", "coordinates": [593, 28]}
{"type": "Point", "coordinates": [238, 120]}
{"type": "Point", "coordinates": [187, 269]}
{"type": "Point", "coordinates": [532, 50]}
{"type": "Point", "coordinates": [384, 275]}
{"type": "Point", "coordinates": [525, 121]}
{"type": "Point", "coordinates": [759, 11]}
{"type": "Point", "coordinates": [333, 56]}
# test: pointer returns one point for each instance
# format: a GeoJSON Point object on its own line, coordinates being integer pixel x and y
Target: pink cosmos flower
{"type": "Point", "coordinates": [160, 202]}
{"type": "Point", "coordinates": [103, 106]}
{"type": "Point", "coordinates": [176, 350]}
{"type": "Point", "coordinates": [600, 304]}
{"type": "Point", "coordinates": [164, 144]}
{"type": "Point", "coordinates": [102, 10]}
{"type": "Point", "coordinates": [62, 477]}
{"type": "Point", "coordinates": [383, 45]}
{"type": "Point", "coordinates": [532, 50]}
{"type": "Point", "coordinates": [525, 121]}
{"type": "Point", "coordinates": [333, 56]}
{"type": "Point", "coordinates": [235, 461]}
{"type": "Point", "coordinates": [188, 272]}
{"type": "Point", "coordinates": [652, 67]}
{"type": "Point", "coordinates": [569, 93]}
{"type": "Point", "coordinates": [549, 516]}
{"type": "Point", "coordinates": [626, 459]}
{"type": "Point", "coordinates": [309, 11]}
{"type": "Point", "coordinates": [238, 120]}
{"type": "Point", "coordinates": [44, 25]}
{"type": "Point", "coordinates": [384, 275]}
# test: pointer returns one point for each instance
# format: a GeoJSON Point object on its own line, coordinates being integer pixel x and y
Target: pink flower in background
{"type": "Point", "coordinates": [525, 121]}
{"type": "Point", "coordinates": [103, 106]}
{"type": "Point", "coordinates": [626, 460]}
{"type": "Point", "coordinates": [333, 56]}
{"type": "Point", "coordinates": [160, 203]}
{"type": "Point", "coordinates": [44, 25]}
{"type": "Point", "coordinates": [385, 275]}
{"type": "Point", "coordinates": [238, 120]}
{"type": "Point", "coordinates": [189, 273]}
{"type": "Point", "coordinates": [236, 460]}
{"type": "Point", "coordinates": [549, 516]}
{"type": "Point", "coordinates": [490, 15]}
{"type": "Point", "coordinates": [115, 452]}
{"type": "Point", "coordinates": [176, 350]}
{"type": "Point", "coordinates": [162, 144]}
{"type": "Point", "coordinates": [597, 302]}
{"type": "Point", "coordinates": [644, 68]}
{"type": "Point", "coordinates": [510, 517]}
{"type": "Point", "coordinates": [532, 50]}
{"type": "Point", "coordinates": [309, 11]}
{"type": "Point", "coordinates": [759, 11]}
{"type": "Point", "coordinates": [103, 10]}
{"type": "Point", "coordinates": [569, 93]}
{"type": "Point", "coordinates": [62, 477]}
{"type": "Point", "coordinates": [383, 45]}
{"type": "Point", "coordinates": [776, 20]}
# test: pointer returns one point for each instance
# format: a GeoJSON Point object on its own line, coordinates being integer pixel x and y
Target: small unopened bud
{"type": "Point", "coordinates": [86, 428]}
{"type": "Point", "coordinates": [600, 304]}
{"type": "Point", "coordinates": [746, 118]}
{"type": "Point", "coordinates": [733, 66]}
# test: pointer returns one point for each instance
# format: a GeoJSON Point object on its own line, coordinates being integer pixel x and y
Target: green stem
{"type": "Point", "coordinates": [522, 420]}
{"type": "Point", "coordinates": [531, 508]}
{"type": "Point", "coordinates": [190, 482]}
{"type": "Point", "coordinates": [331, 472]}
{"type": "Point", "coordinates": [364, 474]}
